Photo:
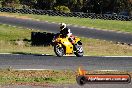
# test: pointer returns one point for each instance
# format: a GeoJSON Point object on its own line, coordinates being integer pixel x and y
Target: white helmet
{"type": "Point", "coordinates": [62, 26]}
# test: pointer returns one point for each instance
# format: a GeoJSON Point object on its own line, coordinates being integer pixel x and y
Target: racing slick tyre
{"type": "Point", "coordinates": [79, 51]}
{"type": "Point", "coordinates": [59, 51]}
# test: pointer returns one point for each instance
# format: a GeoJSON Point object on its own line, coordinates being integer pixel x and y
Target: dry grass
{"type": "Point", "coordinates": [10, 76]}
{"type": "Point", "coordinates": [45, 76]}
{"type": "Point", "coordinates": [91, 47]}
{"type": "Point", "coordinates": [12, 41]}
{"type": "Point", "coordinates": [14, 15]}
{"type": "Point", "coordinates": [24, 48]}
{"type": "Point", "coordinates": [105, 48]}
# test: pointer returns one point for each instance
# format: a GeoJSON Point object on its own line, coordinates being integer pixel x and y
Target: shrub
{"type": "Point", "coordinates": [10, 3]}
{"type": "Point", "coordinates": [62, 9]}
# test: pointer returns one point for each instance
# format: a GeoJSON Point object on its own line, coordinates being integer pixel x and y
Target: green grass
{"type": "Point", "coordinates": [12, 41]}
{"type": "Point", "coordinates": [124, 26]}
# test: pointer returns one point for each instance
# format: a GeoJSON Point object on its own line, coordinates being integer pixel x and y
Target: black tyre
{"type": "Point", "coordinates": [79, 51]}
{"type": "Point", "coordinates": [59, 51]}
{"type": "Point", "coordinates": [81, 80]}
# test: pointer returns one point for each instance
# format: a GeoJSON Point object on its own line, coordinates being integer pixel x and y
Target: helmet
{"type": "Point", "coordinates": [62, 26]}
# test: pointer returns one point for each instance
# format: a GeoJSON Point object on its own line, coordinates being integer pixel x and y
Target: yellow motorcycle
{"type": "Point", "coordinates": [63, 46]}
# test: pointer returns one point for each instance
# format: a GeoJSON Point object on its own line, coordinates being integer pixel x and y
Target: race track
{"type": "Point", "coordinates": [53, 62]}
{"type": "Point", "coordinates": [79, 31]}
{"type": "Point", "coordinates": [70, 62]}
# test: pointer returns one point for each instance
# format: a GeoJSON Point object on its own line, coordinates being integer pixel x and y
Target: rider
{"type": "Point", "coordinates": [66, 32]}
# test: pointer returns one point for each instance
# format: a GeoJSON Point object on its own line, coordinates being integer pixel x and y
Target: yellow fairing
{"type": "Point", "coordinates": [76, 39]}
{"type": "Point", "coordinates": [67, 44]}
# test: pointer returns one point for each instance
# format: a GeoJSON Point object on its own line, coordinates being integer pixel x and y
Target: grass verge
{"type": "Point", "coordinates": [17, 40]}
{"type": "Point", "coordinates": [45, 76]}
{"type": "Point", "coordinates": [124, 26]}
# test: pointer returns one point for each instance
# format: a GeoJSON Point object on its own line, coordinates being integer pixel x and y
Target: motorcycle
{"type": "Point", "coordinates": [63, 46]}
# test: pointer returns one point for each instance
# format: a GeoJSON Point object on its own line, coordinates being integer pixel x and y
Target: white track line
{"type": "Point", "coordinates": [5, 53]}
{"type": "Point", "coordinates": [68, 55]}
{"type": "Point", "coordinates": [107, 70]}
{"type": "Point", "coordinates": [116, 56]}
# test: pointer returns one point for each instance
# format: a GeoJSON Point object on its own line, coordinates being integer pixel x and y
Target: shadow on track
{"type": "Point", "coordinates": [23, 53]}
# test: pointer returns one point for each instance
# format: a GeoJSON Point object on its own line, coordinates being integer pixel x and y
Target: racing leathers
{"type": "Point", "coordinates": [66, 32]}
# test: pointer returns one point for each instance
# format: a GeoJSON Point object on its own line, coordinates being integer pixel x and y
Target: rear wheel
{"type": "Point", "coordinates": [59, 51]}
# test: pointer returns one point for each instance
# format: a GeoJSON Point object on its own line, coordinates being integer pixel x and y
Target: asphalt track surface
{"type": "Point", "coordinates": [79, 31]}
{"type": "Point", "coordinates": [64, 63]}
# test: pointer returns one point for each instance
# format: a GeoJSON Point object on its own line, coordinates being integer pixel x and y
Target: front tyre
{"type": "Point", "coordinates": [79, 51]}
{"type": "Point", "coordinates": [59, 51]}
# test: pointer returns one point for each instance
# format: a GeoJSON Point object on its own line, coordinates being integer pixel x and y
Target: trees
{"type": "Point", "coordinates": [45, 4]}
{"type": "Point", "coordinates": [74, 5]}
{"type": "Point", "coordinates": [10, 3]}
{"type": "Point", "coordinates": [122, 5]}
{"type": "Point", "coordinates": [103, 6]}
{"type": "Point", "coordinates": [29, 3]}
{"type": "Point", "coordinates": [79, 5]}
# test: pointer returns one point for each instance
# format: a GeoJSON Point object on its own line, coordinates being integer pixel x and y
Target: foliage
{"type": "Point", "coordinates": [62, 9]}
{"type": "Point", "coordinates": [45, 4]}
{"type": "Point", "coordinates": [28, 3]}
{"type": "Point", "coordinates": [10, 3]}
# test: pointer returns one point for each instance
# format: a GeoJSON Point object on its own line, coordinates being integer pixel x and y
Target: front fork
{"type": "Point", "coordinates": [75, 46]}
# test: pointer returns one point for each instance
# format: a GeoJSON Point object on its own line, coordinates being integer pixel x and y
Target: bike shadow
{"type": "Point", "coordinates": [43, 55]}
{"type": "Point", "coordinates": [23, 53]}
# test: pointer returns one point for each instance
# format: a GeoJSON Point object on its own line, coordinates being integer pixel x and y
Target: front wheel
{"type": "Point", "coordinates": [59, 51]}
{"type": "Point", "coordinates": [79, 51]}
